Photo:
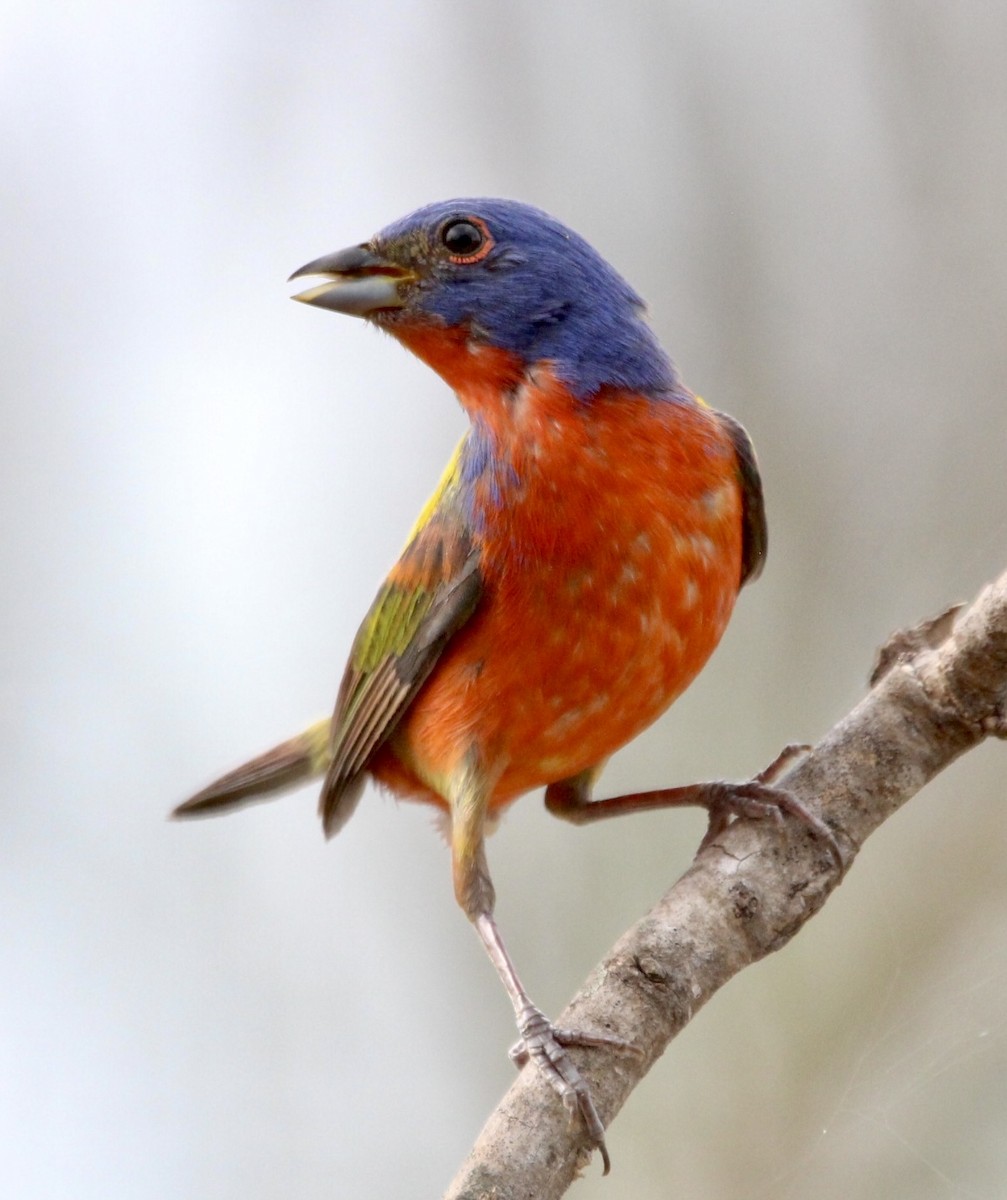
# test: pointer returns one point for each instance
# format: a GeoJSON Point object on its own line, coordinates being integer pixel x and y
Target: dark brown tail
{"type": "Point", "coordinates": [285, 766]}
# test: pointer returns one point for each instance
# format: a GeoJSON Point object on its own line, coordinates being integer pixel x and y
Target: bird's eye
{"type": "Point", "coordinates": [466, 241]}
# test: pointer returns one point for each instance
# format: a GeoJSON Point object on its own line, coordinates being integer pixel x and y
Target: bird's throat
{"type": "Point", "coordinates": [480, 374]}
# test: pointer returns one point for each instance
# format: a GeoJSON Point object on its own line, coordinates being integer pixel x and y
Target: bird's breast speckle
{"type": "Point", "coordinates": [610, 552]}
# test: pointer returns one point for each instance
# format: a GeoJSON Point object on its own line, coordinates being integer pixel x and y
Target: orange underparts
{"type": "Point", "coordinates": [610, 562]}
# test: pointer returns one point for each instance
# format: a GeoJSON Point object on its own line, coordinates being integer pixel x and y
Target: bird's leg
{"type": "Point", "coordinates": [540, 1041]}
{"type": "Point", "coordinates": [545, 1045]}
{"type": "Point", "coordinates": [757, 797]}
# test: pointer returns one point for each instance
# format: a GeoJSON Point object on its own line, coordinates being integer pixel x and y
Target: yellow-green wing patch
{"type": "Point", "coordinates": [430, 593]}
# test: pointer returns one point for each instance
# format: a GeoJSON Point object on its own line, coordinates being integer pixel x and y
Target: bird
{"type": "Point", "coordinates": [571, 574]}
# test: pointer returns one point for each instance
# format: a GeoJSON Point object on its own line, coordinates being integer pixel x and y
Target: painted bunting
{"type": "Point", "coordinates": [572, 572]}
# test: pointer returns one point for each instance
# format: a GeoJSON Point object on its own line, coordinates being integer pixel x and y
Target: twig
{"type": "Point", "coordinates": [939, 689]}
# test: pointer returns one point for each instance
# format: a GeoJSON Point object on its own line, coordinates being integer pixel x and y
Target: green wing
{"type": "Point", "coordinates": [753, 510]}
{"type": "Point", "coordinates": [429, 595]}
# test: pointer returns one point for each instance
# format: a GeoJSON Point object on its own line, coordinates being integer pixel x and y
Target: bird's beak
{"type": "Point", "coordinates": [358, 282]}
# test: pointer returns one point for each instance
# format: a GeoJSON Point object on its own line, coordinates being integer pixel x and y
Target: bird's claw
{"type": "Point", "coordinates": [520, 1054]}
{"type": "Point", "coordinates": [760, 798]}
{"type": "Point", "coordinates": [545, 1045]}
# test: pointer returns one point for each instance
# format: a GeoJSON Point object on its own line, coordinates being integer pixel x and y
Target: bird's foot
{"type": "Point", "coordinates": [759, 798]}
{"type": "Point", "coordinates": [545, 1045]}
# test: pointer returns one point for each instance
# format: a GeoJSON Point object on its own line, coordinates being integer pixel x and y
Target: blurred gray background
{"type": "Point", "coordinates": [202, 485]}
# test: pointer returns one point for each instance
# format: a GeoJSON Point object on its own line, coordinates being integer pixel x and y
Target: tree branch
{"type": "Point", "coordinates": [938, 690]}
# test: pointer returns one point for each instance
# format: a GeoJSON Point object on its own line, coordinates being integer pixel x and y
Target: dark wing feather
{"type": "Point", "coordinates": [753, 510]}
{"type": "Point", "coordinates": [429, 595]}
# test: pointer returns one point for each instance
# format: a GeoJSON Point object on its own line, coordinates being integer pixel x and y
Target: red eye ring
{"type": "Point", "coordinates": [467, 240]}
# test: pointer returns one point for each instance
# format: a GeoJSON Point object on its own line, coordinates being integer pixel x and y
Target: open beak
{"type": "Point", "coordinates": [357, 281]}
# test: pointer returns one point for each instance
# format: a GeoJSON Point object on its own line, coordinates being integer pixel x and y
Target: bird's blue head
{"type": "Point", "coordinates": [498, 274]}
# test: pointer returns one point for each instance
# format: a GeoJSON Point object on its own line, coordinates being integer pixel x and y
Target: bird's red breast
{"type": "Point", "coordinates": [610, 539]}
